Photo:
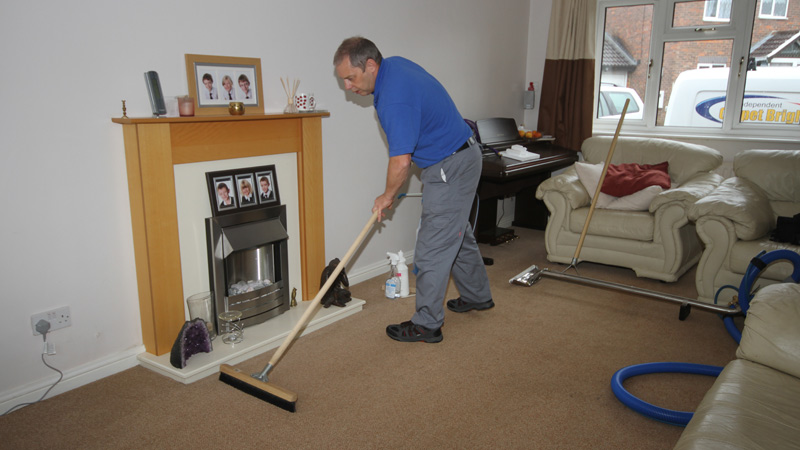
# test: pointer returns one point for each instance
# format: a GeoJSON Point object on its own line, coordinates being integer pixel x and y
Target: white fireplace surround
{"type": "Point", "coordinates": [192, 198]}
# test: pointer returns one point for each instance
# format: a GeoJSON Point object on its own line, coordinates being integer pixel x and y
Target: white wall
{"type": "Point", "coordinates": [67, 65]}
{"type": "Point", "coordinates": [538, 28]}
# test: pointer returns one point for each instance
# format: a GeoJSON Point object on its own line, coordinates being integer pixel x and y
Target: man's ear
{"type": "Point", "coordinates": [371, 66]}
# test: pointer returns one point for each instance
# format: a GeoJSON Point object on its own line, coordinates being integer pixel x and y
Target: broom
{"type": "Point", "coordinates": [574, 263]}
{"type": "Point", "coordinates": [258, 384]}
{"type": "Point", "coordinates": [530, 275]}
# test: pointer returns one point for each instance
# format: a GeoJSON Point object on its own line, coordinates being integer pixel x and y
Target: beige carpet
{"type": "Point", "coordinates": [533, 372]}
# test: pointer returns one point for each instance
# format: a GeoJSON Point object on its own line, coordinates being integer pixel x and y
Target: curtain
{"type": "Point", "coordinates": [567, 92]}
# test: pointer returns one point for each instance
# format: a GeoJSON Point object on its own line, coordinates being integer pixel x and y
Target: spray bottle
{"type": "Point", "coordinates": [392, 288]}
{"type": "Point", "coordinates": [402, 272]}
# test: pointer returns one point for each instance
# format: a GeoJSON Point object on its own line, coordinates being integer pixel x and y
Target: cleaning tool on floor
{"type": "Point", "coordinates": [258, 384]}
{"type": "Point", "coordinates": [526, 278]}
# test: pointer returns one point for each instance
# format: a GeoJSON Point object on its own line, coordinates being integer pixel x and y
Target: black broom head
{"type": "Point", "coordinates": [265, 391]}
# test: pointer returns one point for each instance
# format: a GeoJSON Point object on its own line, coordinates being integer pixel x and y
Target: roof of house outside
{"type": "Point", "coordinates": [784, 44]}
{"type": "Point", "coordinates": [616, 56]}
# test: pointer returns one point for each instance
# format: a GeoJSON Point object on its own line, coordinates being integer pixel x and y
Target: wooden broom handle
{"type": "Point", "coordinates": [600, 184]}
{"type": "Point", "coordinates": [313, 306]}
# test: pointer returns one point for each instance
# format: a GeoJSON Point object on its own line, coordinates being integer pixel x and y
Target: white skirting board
{"type": "Point", "coordinates": [74, 378]}
{"type": "Point", "coordinates": [258, 339]}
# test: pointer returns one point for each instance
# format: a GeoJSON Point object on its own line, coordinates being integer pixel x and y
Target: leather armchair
{"type": "Point", "coordinates": [736, 220]}
{"type": "Point", "coordinates": [658, 243]}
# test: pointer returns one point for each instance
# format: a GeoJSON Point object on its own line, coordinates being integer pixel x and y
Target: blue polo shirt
{"type": "Point", "coordinates": [416, 113]}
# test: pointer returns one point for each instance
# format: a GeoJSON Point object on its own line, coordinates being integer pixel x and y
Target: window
{"type": "Point", "coordinates": [700, 67]}
{"type": "Point", "coordinates": [773, 9]}
{"type": "Point", "coordinates": [717, 10]}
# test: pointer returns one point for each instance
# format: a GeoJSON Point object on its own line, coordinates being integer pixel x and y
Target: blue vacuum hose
{"type": "Point", "coordinates": [669, 416]}
{"type": "Point", "coordinates": [681, 418]}
{"type": "Point", "coordinates": [758, 264]}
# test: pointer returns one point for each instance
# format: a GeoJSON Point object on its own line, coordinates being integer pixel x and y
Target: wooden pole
{"type": "Point", "coordinates": [599, 186]}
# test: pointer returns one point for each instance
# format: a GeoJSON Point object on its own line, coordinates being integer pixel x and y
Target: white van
{"type": "Point", "coordinates": [772, 95]}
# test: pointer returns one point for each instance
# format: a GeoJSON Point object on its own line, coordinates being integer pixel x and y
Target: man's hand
{"type": "Point", "coordinates": [396, 175]}
{"type": "Point", "coordinates": [382, 202]}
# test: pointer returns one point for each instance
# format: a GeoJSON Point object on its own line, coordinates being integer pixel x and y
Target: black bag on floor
{"type": "Point", "coordinates": [337, 294]}
{"type": "Point", "coordinates": [788, 230]}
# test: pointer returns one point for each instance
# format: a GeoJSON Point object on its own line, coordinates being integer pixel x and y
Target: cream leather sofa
{"type": "Point", "coordinates": [736, 220]}
{"type": "Point", "coordinates": [658, 243]}
{"type": "Point", "coordinates": [755, 401]}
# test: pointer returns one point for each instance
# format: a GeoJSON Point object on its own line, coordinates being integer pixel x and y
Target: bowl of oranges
{"type": "Point", "coordinates": [529, 134]}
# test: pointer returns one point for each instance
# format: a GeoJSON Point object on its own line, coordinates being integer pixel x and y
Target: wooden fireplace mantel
{"type": "Point", "coordinates": [154, 145]}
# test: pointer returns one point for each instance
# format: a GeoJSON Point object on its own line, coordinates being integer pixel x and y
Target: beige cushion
{"type": "Point", "coordinates": [567, 184]}
{"type": "Point", "coordinates": [638, 201]}
{"type": "Point", "coordinates": [689, 192]}
{"type": "Point", "coordinates": [775, 307]}
{"type": "Point", "coordinates": [685, 160]}
{"type": "Point", "coordinates": [742, 203]}
{"type": "Point", "coordinates": [774, 171]}
{"type": "Point", "coordinates": [632, 225]}
{"type": "Point", "coordinates": [589, 174]}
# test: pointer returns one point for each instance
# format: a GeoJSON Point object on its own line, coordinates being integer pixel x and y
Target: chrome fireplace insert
{"type": "Point", "coordinates": [248, 263]}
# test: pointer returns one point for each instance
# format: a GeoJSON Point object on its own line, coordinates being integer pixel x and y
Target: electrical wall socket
{"type": "Point", "coordinates": [58, 318]}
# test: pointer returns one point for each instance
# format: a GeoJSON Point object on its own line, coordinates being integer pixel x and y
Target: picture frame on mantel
{"type": "Point", "coordinates": [216, 81]}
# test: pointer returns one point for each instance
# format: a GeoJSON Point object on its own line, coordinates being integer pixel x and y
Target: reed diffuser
{"type": "Point", "coordinates": [290, 106]}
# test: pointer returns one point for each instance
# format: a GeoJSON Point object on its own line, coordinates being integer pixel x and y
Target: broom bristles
{"type": "Point", "coordinates": [265, 391]}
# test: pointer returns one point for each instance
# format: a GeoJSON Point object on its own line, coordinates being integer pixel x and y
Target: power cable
{"type": "Point", "coordinates": [42, 326]}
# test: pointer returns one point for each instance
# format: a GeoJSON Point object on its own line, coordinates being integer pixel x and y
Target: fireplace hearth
{"type": "Point", "coordinates": [248, 263]}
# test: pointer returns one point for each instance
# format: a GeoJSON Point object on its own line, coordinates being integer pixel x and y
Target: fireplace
{"type": "Point", "coordinates": [156, 147]}
{"type": "Point", "coordinates": [248, 263]}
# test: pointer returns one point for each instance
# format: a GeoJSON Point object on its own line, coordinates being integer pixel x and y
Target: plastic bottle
{"type": "Point", "coordinates": [402, 272]}
{"type": "Point", "coordinates": [529, 96]}
{"type": "Point", "coordinates": [392, 287]}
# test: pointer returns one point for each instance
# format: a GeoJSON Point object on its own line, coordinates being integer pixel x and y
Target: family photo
{"type": "Point", "coordinates": [224, 199]}
{"type": "Point", "coordinates": [242, 189]}
{"type": "Point", "coordinates": [220, 85]}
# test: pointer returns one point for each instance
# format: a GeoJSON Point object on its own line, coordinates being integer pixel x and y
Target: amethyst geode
{"type": "Point", "coordinates": [193, 338]}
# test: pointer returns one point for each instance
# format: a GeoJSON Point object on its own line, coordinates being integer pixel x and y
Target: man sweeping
{"type": "Point", "coordinates": [423, 126]}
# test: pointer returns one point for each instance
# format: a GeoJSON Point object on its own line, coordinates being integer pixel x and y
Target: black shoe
{"type": "Point", "coordinates": [409, 332]}
{"type": "Point", "coordinates": [461, 306]}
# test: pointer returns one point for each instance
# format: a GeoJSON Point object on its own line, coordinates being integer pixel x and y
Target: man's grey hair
{"type": "Point", "coordinates": [358, 50]}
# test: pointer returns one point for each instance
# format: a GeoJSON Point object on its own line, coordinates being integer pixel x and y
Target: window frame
{"type": "Point", "coordinates": [739, 29]}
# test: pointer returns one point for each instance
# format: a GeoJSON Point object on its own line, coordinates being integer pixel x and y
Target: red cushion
{"type": "Point", "coordinates": [626, 179]}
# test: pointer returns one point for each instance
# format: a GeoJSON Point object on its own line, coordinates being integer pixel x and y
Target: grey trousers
{"type": "Point", "coordinates": [445, 243]}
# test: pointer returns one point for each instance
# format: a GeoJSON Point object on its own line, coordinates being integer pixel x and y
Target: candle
{"type": "Point", "coordinates": [186, 106]}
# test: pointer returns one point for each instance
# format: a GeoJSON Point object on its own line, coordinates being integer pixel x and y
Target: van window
{"type": "Point", "coordinates": [676, 96]}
